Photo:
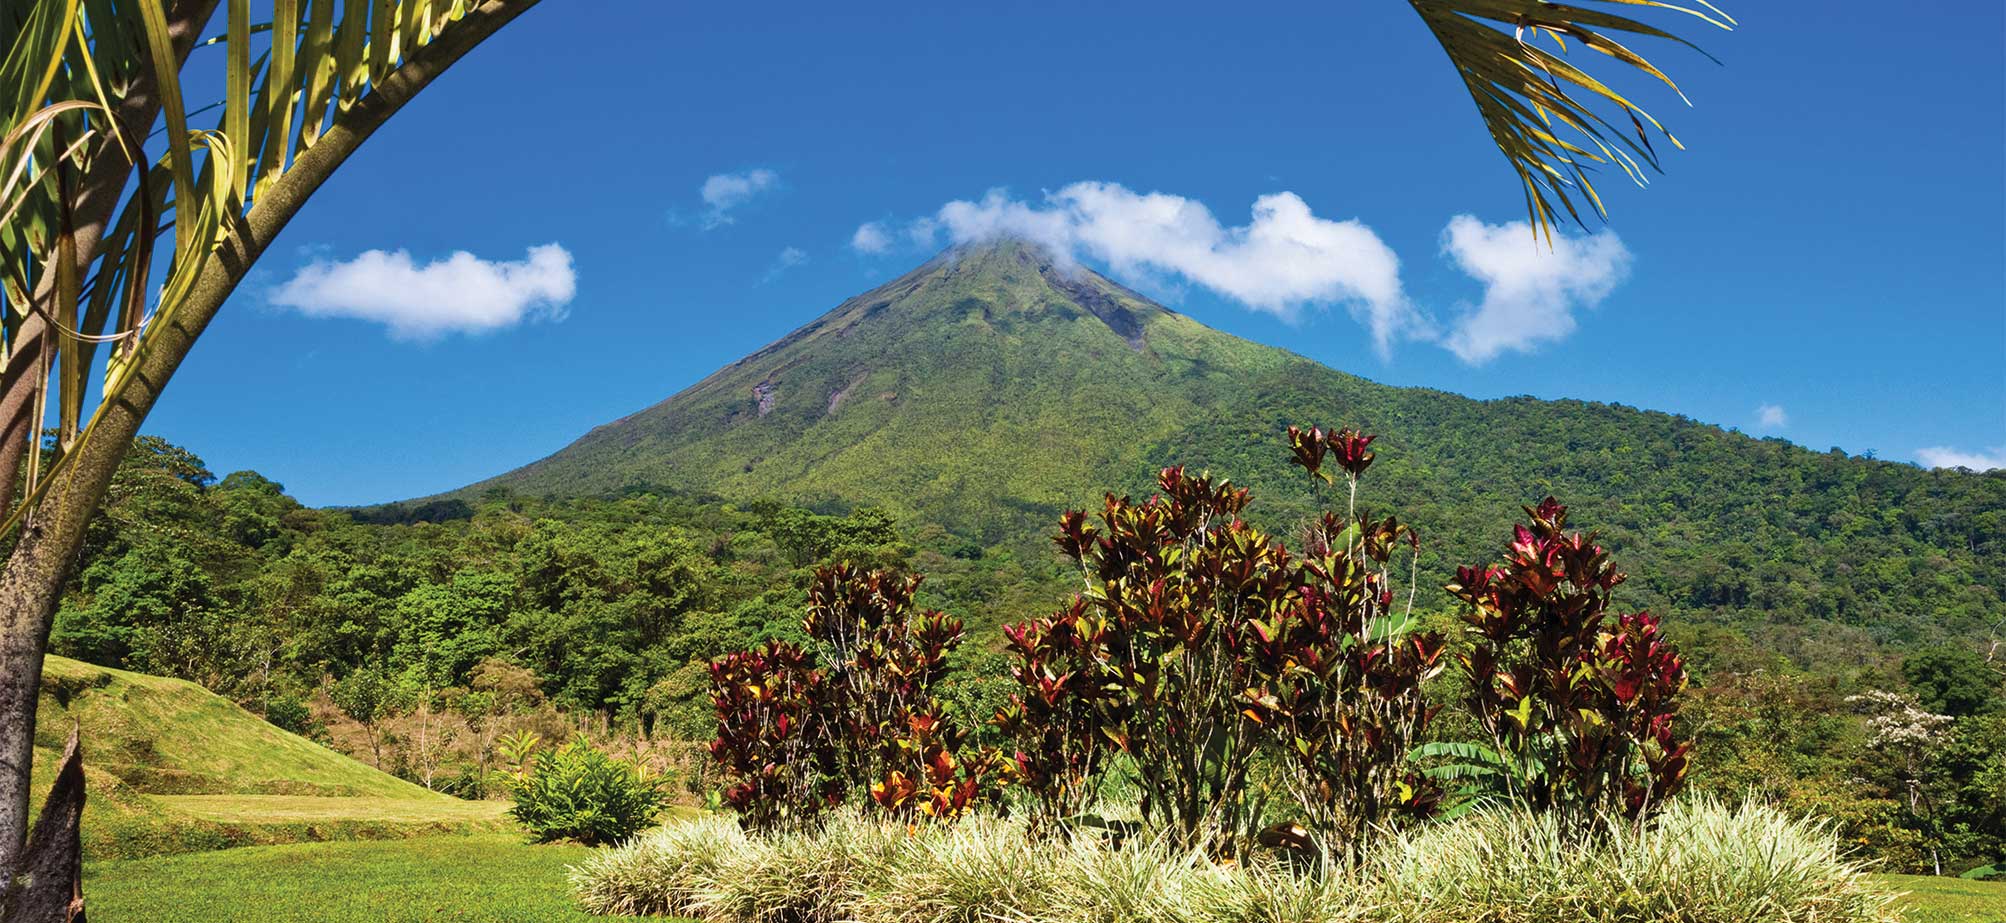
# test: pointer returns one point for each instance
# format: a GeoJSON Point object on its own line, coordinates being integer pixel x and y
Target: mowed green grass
{"type": "Point", "coordinates": [1950, 900]}
{"type": "Point", "coordinates": [282, 809]}
{"type": "Point", "coordinates": [166, 736]}
{"type": "Point", "coordinates": [171, 768]}
{"type": "Point", "coordinates": [498, 878]}
{"type": "Point", "coordinates": [481, 878]}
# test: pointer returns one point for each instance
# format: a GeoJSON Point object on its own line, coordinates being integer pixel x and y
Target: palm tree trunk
{"type": "Point", "coordinates": [53, 533]}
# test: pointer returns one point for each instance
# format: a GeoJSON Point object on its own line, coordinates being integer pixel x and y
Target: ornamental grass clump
{"type": "Point", "coordinates": [1270, 891]}
{"type": "Point", "coordinates": [812, 876]}
{"type": "Point", "coordinates": [670, 871]}
{"type": "Point", "coordinates": [964, 873]}
{"type": "Point", "coordinates": [1695, 861]}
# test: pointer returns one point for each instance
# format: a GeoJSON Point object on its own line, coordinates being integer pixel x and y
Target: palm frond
{"type": "Point", "coordinates": [62, 80]}
{"type": "Point", "coordinates": [1542, 110]}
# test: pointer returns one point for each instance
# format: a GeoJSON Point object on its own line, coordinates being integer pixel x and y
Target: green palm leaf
{"type": "Point", "coordinates": [317, 59]}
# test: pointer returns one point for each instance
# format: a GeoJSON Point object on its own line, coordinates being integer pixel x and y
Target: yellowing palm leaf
{"type": "Point", "coordinates": [1540, 108]}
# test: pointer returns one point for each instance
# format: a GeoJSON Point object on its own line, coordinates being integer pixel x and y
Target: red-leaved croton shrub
{"type": "Point", "coordinates": [771, 743]}
{"type": "Point", "coordinates": [935, 773]}
{"type": "Point", "coordinates": [1342, 668]}
{"type": "Point", "coordinates": [1069, 690]}
{"type": "Point", "coordinates": [1200, 641]}
{"type": "Point", "coordinates": [1174, 585]}
{"type": "Point", "coordinates": [867, 723]}
{"type": "Point", "coordinates": [1580, 710]}
{"type": "Point", "coordinates": [884, 658]}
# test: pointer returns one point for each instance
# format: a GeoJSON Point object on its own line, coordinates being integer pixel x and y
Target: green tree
{"type": "Point", "coordinates": [252, 507]}
{"type": "Point", "coordinates": [82, 88]}
{"type": "Point", "coordinates": [140, 610]}
{"type": "Point", "coordinates": [364, 695]}
{"type": "Point", "coordinates": [1952, 680]}
{"type": "Point", "coordinates": [449, 627]}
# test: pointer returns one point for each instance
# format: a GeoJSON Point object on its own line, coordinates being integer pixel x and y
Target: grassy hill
{"type": "Point", "coordinates": [172, 767]}
{"type": "Point", "coordinates": [991, 388]}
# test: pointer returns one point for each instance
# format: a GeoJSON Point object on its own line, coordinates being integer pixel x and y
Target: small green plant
{"type": "Point", "coordinates": [579, 792]}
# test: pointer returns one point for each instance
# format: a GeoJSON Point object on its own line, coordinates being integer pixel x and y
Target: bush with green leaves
{"type": "Point", "coordinates": [580, 792]}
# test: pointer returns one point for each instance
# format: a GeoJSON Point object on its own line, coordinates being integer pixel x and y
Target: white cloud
{"type": "Point", "coordinates": [726, 191]}
{"type": "Point", "coordinates": [1771, 416]}
{"type": "Point", "coordinates": [1284, 259]}
{"type": "Point", "coordinates": [787, 259]}
{"type": "Point", "coordinates": [461, 293]}
{"type": "Point", "coordinates": [1531, 291]}
{"type": "Point", "coordinates": [1946, 457]}
{"type": "Point", "coordinates": [872, 238]}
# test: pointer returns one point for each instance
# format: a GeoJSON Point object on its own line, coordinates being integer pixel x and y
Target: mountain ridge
{"type": "Point", "coordinates": [1010, 299]}
{"type": "Point", "coordinates": [994, 386]}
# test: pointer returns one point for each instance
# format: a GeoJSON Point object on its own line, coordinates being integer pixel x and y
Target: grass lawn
{"type": "Point", "coordinates": [1950, 900]}
{"type": "Point", "coordinates": [497, 878]}
{"type": "Point", "coordinates": [482, 878]}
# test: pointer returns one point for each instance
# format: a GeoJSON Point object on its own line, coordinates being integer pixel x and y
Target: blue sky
{"type": "Point", "coordinates": [1831, 245]}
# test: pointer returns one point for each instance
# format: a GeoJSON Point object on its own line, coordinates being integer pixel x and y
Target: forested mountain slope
{"type": "Point", "coordinates": [993, 387]}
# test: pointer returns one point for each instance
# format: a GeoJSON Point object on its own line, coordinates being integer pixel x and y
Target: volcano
{"type": "Point", "coordinates": [996, 385]}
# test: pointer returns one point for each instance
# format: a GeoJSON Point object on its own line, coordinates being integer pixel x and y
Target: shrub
{"type": "Point", "coordinates": [1580, 711]}
{"type": "Point", "coordinates": [1066, 693]}
{"type": "Point", "coordinates": [894, 738]}
{"type": "Point", "coordinates": [292, 713]}
{"type": "Point", "coordinates": [578, 792]}
{"type": "Point", "coordinates": [1200, 641]}
{"type": "Point", "coordinates": [1175, 585]}
{"type": "Point", "coordinates": [1342, 702]}
{"type": "Point", "coordinates": [771, 742]}
{"type": "Point", "coordinates": [798, 734]}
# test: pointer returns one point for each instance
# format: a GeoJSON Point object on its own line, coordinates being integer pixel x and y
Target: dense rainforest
{"type": "Point", "coordinates": [606, 610]}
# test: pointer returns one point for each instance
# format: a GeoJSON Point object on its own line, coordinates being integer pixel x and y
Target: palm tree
{"type": "Point", "coordinates": [99, 166]}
